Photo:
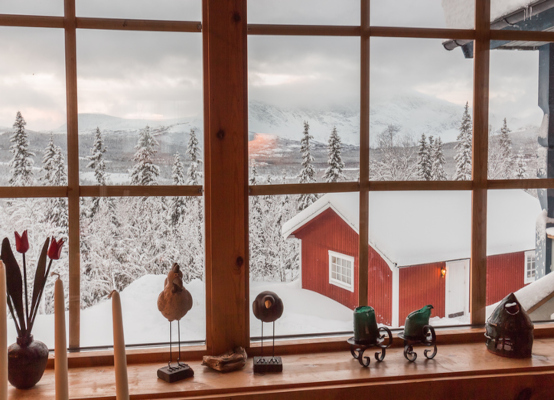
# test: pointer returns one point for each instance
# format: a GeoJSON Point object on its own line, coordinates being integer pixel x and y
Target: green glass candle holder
{"type": "Point", "coordinates": [365, 325]}
{"type": "Point", "coordinates": [415, 321]}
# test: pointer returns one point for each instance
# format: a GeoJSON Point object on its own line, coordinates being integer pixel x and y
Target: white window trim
{"type": "Point", "coordinates": [527, 280]}
{"type": "Point", "coordinates": [337, 282]}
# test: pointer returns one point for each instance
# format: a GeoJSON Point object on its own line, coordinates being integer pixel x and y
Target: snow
{"type": "Point", "coordinates": [411, 228]}
{"type": "Point", "coordinates": [305, 312]}
{"type": "Point", "coordinates": [531, 294]}
{"type": "Point", "coordinates": [461, 13]}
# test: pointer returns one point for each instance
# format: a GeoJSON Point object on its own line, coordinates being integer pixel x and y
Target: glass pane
{"type": "Point", "coordinates": [32, 107]}
{"type": "Point", "coordinates": [519, 231]}
{"type": "Point", "coordinates": [42, 218]}
{"type": "Point", "coordinates": [423, 13]}
{"type": "Point", "coordinates": [301, 90]}
{"type": "Point", "coordinates": [521, 15]}
{"type": "Point", "coordinates": [419, 94]}
{"type": "Point", "coordinates": [140, 101]}
{"type": "Point", "coordinates": [518, 134]}
{"type": "Point", "coordinates": [413, 235]}
{"type": "Point", "coordinates": [282, 241]}
{"type": "Point", "coordinates": [130, 244]}
{"type": "Point", "coordinates": [315, 12]}
{"type": "Point", "coordinates": [181, 10]}
{"type": "Point", "coordinates": [32, 7]}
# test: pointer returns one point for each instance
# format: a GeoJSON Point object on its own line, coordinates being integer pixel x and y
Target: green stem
{"type": "Point", "coordinates": [26, 296]}
{"type": "Point", "coordinates": [34, 314]}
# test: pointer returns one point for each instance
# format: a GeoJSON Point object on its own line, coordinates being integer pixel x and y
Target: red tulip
{"type": "Point", "coordinates": [55, 249]}
{"type": "Point", "coordinates": [21, 242]}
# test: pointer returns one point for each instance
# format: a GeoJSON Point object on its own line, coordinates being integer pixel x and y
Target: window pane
{"type": "Point", "coordinates": [42, 218]}
{"type": "Point", "coordinates": [413, 235]}
{"type": "Point", "coordinates": [518, 134]}
{"type": "Point", "coordinates": [32, 107]}
{"type": "Point", "coordinates": [182, 10]}
{"type": "Point", "coordinates": [316, 12]}
{"type": "Point", "coordinates": [32, 7]}
{"type": "Point", "coordinates": [519, 250]}
{"type": "Point", "coordinates": [419, 93]}
{"type": "Point", "coordinates": [130, 244]}
{"type": "Point", "coordinates": [282, 242]}
{"type": "Point", "coordinates": [140, 97]}
{"type": "Point", "coordinates": [520, 15]}
{"type": "Point", "coordinates": [423, 13]}
{"type": "Point", "coordinates": [297, 80]}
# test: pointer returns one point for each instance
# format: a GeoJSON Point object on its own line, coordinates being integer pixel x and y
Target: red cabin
{"type": "Point", "coordinates": [419, 249]}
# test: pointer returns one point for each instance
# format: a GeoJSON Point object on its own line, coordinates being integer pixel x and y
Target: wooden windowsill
{"type": "Point", "coordinates": [462, 371]}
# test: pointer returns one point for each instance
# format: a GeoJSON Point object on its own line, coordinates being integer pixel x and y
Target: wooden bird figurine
{"type": "Point", "coordinates": [267, 307]}
{"type": "Point", "coordinates": [174, 302]}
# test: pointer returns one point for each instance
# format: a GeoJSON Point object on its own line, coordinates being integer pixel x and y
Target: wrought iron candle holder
{"type": "Point", "coordinates": [367, 335]}
{"type": "Point", "coordinates": [418, 331]}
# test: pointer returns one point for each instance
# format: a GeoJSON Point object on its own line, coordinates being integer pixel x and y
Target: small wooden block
{"type": "Point", "coordinates": [263, 365]}
{"type": "Point", "coordinates": [176, 373]}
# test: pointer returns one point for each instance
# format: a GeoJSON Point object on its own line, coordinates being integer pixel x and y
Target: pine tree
{"type": "Point", "coordinates": [520, 166]}
{"type": "Point", "coordinates": [424, 159]}
{"type": "Point", "coordinates": [437, 168]}
{"type": "Point", "coordinates": [307, 174]}
{"type": "Point", "coordinates": [506, 151]}
{"type": "Point", "coordinates": [21, 165]}
{"type": "Point", "coordinates": [194, 172]}
{"type": "Point", "coordinates": [145, 172]}
{"type": "Point", "coordinates": [55, 175]}
{"type": "Point", "coordinates": [463, 148]}
{"type": "Point", "coordinates": [48, 161]}
{"type": "Point", "coordinates": [177, 203]}
{"type": "Point", "coordinates": [98, 165]}
{"type": "Point", "coordinates": [334, 172]}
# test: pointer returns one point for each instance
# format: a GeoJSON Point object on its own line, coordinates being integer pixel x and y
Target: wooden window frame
{"type": "Point", "coordinates": [224, 32]}
{"type": "Point", "coordinates": [526, 278]}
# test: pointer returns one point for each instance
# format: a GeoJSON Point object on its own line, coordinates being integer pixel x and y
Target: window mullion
{"type": "Point", "coordinates": [478, 274]}
{"type": "Point", "coordinates": [72, 173]}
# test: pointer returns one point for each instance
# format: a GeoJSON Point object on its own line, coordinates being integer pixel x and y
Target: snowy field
{"type": "Point", "coordinates": [305, 312]}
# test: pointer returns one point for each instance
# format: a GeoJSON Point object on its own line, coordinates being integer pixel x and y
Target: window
{"type": "Point", "coordinates": [223, 60]}
{"type": "Point", "coordinates": [529, 266]}
{"type": "Point", "coordinates": [341, 270]}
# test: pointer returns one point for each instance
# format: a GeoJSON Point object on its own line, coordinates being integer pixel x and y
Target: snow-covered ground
{"type": "Point", "coordinates": [305, 312]}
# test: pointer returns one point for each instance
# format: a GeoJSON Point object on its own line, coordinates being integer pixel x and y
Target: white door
{"type": "Point", "coordinates": [457, 288]}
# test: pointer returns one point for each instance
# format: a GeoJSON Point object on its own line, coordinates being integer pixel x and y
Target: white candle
{"type": "Point", "coordinates": [3, 336]}
{"type": "Point", "coordinates": [120, 359]}
{"type": "Point", "coordinates": [60, 355]}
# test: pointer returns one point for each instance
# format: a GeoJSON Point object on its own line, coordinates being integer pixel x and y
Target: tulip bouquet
{"type": "Point", "coordinates": [23, 313]}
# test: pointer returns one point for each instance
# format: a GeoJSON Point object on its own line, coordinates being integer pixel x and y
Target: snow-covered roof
{"type": "Point", "coordinates": [461, 13]}
{"type": "Point", "coordinates": [412, 228]}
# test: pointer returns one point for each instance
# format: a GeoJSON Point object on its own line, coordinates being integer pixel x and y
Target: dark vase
{"type": "Point", "coordinates": [26, 362]}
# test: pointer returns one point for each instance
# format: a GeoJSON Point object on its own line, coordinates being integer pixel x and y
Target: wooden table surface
{"type": "Point", "coordinates": [301, 371]}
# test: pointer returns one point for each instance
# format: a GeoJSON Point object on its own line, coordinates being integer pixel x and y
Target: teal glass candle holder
{"type": "Point", "coordinates": [365, 325]}
{"type": "Point", "coordinates": [415, 321]}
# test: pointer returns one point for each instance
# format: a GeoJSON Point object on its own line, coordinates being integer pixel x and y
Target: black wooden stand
{"type": "Point", "coordinates": [176, 372]}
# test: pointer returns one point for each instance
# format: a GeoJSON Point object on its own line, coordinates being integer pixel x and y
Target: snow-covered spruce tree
{"type": "Point", "coordinates": [21, 164]}
{"type": "Point", "coordinates": [520, 166]}
{"type": "Point", "coordinates": [424, 159]}
{"type": "Point", "coordinates": [463, 148]}
{"type": "Point", "coordinates": [145, 172]}
{"type": "Point", "coordinates": [194, 172]}
{"type": "Point", "coordinates": [48, 161]}
{"type": "Point", "coordinates": [333, 173]}
{"type": "Point", "coordinates": [98, 165]}
{"type": "Point", "coordinates": [307, 174]}
{"type": "Point", "coordinates": [54, 169]}
{"type": "Point", "coordinates": [178, 206]}
{"type": "Point", "coordinates": [438, 161]}
{"type": "Point", "coordinates": [506, 151]}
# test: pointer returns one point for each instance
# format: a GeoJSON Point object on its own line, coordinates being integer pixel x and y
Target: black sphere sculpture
{"type": "Point", "coordinates": [268, 307]}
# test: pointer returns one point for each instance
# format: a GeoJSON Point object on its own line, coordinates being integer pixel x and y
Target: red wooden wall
{"type": "Point", "coordinates": [421, 285]}
{"type": "Point", "coordinates": [327, 232]}
{"type": "Point", "coordinates": [505, 274]}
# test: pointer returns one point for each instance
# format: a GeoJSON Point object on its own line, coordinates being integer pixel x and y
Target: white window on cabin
{"type": "Point", "coordinates": [529, 266]}
{"type": "Point", "coordinates": [341, 270]}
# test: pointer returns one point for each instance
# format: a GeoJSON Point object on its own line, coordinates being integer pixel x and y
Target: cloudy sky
{"type": "Point", "coordinates": [159, 75]}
